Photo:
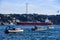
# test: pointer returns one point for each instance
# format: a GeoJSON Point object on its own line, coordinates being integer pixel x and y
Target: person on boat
{"type": "Point", "coordinates": [33, 29]}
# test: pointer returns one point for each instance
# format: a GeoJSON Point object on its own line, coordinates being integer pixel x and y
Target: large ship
{"type": "Point", "coordinates": [34, 23]}
{"type": "Point", "coordinates": [47, 22]}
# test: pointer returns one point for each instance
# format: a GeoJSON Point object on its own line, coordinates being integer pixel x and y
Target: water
{"type": "Point", "coordinates": [50, 34]}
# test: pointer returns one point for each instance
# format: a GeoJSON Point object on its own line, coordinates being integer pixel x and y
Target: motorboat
{"type": "Point", "coordinates": [51, 27]}
{"type": "Point", "coordinates": [41, 29]}
{"type": "Point", "coordinates": [38, 29]}
{"type": "Point", "coordinates": [14, 30]}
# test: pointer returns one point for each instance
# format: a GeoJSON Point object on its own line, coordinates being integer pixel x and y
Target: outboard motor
{"type": "Point", "coordinates": [6, 31]}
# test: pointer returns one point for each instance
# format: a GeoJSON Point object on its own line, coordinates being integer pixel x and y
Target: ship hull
{"type": "Point", "coordinates": [34, 23]}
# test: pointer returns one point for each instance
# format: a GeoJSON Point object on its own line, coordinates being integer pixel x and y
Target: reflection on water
{"type": "Point", "coordinates": [50, 34]}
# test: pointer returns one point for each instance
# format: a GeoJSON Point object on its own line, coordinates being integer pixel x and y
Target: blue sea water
{"type": "Point", "coordinates": [50, 34]}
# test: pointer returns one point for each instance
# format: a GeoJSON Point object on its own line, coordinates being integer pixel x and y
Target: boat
{"type": "Point", "coordinates": [14, 30]}
{"type": "Point", "coordinates": [51, 27]}
{"type": "Point", "coordinates": [34, 23]}
{"type": "Point", "coordinates": [36, 28]}
{"type": "Point", "coordinates": [47, 22]}
{"type": "Point", "coordinates": [41, 29]}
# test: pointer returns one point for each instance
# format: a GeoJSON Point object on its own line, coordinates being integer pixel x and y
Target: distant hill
{"type": "Point", "coordinates": [30, 17]}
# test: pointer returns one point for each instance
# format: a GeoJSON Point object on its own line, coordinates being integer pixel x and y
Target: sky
{"type": "Point", "coordinates": [46, 7]}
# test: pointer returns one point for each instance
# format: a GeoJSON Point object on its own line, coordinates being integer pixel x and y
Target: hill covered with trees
{"type": "Point", "coordinates": [29, 17]}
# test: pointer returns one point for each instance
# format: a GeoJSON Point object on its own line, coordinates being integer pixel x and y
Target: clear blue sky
{"type": "Point", "coordinates": [48, 7]}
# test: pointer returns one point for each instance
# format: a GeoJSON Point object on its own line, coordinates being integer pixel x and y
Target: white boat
{"type": "Point", "coordinates": [51, 27]}
{"type": "Point", "coordinates": [14, 30]}
{"type": "Point", "coordinates": [41, 29]}
{"type": "Point", "coordinates": [38, 29]}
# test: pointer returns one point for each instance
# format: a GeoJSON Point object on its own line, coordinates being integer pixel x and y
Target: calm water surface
{"type": "Point", "coordinates": [50, 34]}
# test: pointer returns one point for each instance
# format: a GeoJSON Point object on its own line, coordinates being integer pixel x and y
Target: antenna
{"type": "Point", "coordinates": [26, 8]}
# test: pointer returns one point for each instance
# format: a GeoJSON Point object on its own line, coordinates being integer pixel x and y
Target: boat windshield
{"type": "Point", "coordinates": [10, 27]}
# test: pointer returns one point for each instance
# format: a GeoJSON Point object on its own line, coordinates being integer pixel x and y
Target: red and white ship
{"type": "Point", "coordinates": [47, 22]}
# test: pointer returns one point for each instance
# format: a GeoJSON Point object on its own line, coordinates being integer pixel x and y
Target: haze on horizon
{"type": "Point", "coordinates": [47, 7]}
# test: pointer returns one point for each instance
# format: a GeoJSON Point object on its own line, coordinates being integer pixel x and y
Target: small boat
{"type": "Point", "coordinates": [41, 29]}
{"type": "Point", "coordinates": [38, 29]}
{"type": "Point", "coordinates": [14, 30]}
{"type": "Point", "coordinates": [11, 29]}
{"type": "Point", "coordinates": [51, 27]}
